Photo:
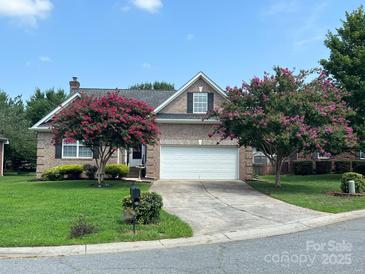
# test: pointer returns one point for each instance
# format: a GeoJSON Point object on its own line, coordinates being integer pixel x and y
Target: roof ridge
{"type": "Point", "coordinates": [127, 89]}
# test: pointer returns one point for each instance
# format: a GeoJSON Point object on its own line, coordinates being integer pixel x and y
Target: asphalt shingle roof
{"type": "Point", "coordinates": [154, 98]}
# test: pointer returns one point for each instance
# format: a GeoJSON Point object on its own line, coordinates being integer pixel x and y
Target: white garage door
{"type": "Point", "coordinates": [198, 162]}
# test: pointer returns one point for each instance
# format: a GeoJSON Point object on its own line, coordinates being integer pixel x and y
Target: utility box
{"type": "Point", "coordinates": [352, 189]}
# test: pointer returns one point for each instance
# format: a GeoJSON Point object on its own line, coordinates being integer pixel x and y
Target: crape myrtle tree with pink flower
{"type": "Point", "coordinates": [286, 113]}
{"type": "Point", "coordinates": [105, 124]}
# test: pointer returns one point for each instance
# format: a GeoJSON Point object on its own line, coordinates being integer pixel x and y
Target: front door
{"type": "Point", "coordinates": [136, 156]}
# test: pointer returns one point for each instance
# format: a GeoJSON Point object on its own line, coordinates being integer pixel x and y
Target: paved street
{"type": "Point", "coordinates": [338, 248]}
{"type": "Point", "coordinates": [223, 206]}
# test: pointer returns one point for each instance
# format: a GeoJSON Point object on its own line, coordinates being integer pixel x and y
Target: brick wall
{"type": "Point", "coordinates": [46, 155]}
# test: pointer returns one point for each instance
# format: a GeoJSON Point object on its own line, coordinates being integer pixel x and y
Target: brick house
{"type": "Point", "coordinates": [262, 166]}
{"type": "Point", "coordinates": [184, 150]}
{"type": "Point", "coordinates": [3, 141]}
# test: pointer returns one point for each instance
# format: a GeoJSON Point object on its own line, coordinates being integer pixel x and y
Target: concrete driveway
{"type": "Point", "coordinates": [224, 206]}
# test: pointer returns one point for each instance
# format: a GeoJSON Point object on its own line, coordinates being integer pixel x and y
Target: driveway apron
{"type": "Point", "coordinates": [225, 206]}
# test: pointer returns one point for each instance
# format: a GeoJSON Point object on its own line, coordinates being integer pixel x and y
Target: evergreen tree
{"type": "Point", "coordinates": [347, 64]}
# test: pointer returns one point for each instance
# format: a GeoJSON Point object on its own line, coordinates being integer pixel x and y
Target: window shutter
{"type": "Point", "coordinates": [210, 101]}
{"type": "Point", "coordinates": [190, 102]}
{"type": "Point", "coordinates": [58, 151]}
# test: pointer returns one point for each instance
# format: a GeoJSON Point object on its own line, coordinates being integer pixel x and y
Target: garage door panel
{"type": "Point", "coordinates": [183, 162]}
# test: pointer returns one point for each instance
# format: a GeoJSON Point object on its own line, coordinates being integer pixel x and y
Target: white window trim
{"type": "Point", "coordinates": [362, 155]}
{"type": "Point", "coordinates": [77, 152]}
{"type": "Point", "coordinates": [199, 93]}
{"type": "Point", "coordinates": [322, 157]}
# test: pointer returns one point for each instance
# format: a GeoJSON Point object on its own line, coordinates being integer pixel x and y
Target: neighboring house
{"type": "Point", "coordinates": [3, 141]}
{"type": "Point", "coordinates": [259, 157]}
{"type": "Point", "coordinates": [345, 156]}
{"type": "Point", "coordinates": [260, 163]}
{"type": "Point", "coordinates": [260, 168]}
{"type": "Point", "coordinates": [184, 150]}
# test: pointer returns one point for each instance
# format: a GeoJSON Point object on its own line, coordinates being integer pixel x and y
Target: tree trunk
{"type": "Point", "coordinates": [100, 173]}
{"type": "Point", "coordinates": [277, 167]}
{"type": "Point", "coordinates": [103, 158]}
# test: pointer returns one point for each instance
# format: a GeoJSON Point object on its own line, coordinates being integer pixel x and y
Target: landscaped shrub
{"type": "Point", "coordinates": [359, 167]}
{"type": "Point", "coordinates": [71, 171]}
{"type": "Point", "coordinates": [303, 167]}
{"type": "Point", "coordinates": [359, 182]}
{"type": "Point", "coordinates": [323, 167]}
{"type": "Point", "coordinates": [60, 172]}
{"type": "Point", "coordinates": [90, 171]}
{"type": "Point", "coordinates": [52, 174]}
{"type": "Point", "coordinates": [116, 170]}
{"type": "Point", "coordinates": [81, 227]}
{"type": "Point", "coordinates": [342, 166]}
{"type": "Point", "coordinates": [147, 210]}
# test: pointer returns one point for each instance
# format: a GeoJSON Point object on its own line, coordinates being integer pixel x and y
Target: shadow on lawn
{"type": "Point", "coordinates": [269, 188]}
{"type": "Point", "coordinates": [86, 184]}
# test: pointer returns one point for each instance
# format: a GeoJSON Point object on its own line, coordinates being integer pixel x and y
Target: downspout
{"type": "Point", "coordinates": [2, 159]}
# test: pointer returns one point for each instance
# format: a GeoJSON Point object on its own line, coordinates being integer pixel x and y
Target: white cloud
{"type": "Point", "coordinates": [146, 65]}
{"type": "Point", "coordinates": [305, 42]}
{"type": "Point", "coordinates": [311, 32]}
{"type": "Point", "coordinates": [45, 59]}
{"type": "Point", "coordinates": [282, 7]}
{"type": "Point", "coordinates": [26, 11]}
{"type": "Point", "coordinates": [190, 37]}
{"type": "Point", "coordinates": [151, 6]}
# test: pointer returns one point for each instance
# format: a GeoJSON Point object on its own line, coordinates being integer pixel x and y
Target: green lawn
{"type": "Point", "coordinates": [40, 213]}
{"type": "Point", "coordinates": [310, 192]}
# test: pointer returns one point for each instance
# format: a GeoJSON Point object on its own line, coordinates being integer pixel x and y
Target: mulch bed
{"type": "Point", "coordinates": [341, 194]}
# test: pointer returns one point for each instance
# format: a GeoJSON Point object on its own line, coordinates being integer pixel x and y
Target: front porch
{"type": "Point", "coordinates": [135, 158]}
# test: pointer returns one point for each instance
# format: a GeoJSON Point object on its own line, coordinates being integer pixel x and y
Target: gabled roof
{"type": "Point", "coordinates": [53, 112]}
{"type": "Point", "coordinates": [151, 97]}
{"type": "Point", "coordinates": [157, 99]}
{"type": "Point", "coordinates": [200, 75]}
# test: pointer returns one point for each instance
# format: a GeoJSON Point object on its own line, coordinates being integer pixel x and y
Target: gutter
{"type": "Point", "coordinates": [185, 121]}
{"type": "Point", "coordinates": [40, 129]}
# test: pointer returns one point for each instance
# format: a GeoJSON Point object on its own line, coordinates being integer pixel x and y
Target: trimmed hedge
{"type": "Point", "coordinates": [358, 167]}
{"type": "Point", "coordinates": [323, 167]}
{"type": "Point", "coordinates": [71, 172]}
{"type": "Point", "coordinates": [359, 182]}
{"type": "Point", "coordinates": [116, 170]}
{"type": "Point", "coordinates": [342, 166]}
{"type": "Point", "coordinates": [303, 167]}
{"type": "Point", "coordinates": [148, 209]}
{"type": "Point", "coordinates": [52, 174]}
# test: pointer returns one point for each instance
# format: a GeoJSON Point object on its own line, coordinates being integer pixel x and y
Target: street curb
{"type": "Point", "coordinates": [267, 231]}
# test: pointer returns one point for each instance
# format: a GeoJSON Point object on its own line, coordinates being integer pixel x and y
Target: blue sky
{"type": "Point", "coordinates": [117, 43]}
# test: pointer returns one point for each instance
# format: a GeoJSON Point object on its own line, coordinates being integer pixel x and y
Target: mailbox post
{"type": "Point", "coordinates": [135, 193]}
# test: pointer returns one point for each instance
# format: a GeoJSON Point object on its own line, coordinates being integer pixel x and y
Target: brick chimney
{"type": "Point", "coordinates": [74, 85]}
